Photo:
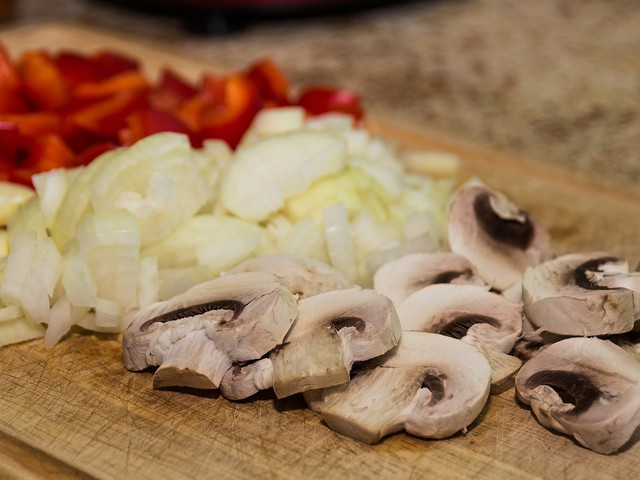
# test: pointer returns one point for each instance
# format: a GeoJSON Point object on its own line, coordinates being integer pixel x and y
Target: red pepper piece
{"type": "Point", "coordinates": [32, 124]}
{"type": "Point", "coordinates": [79, 139]}
{"type": "Point", "coordinates": [107, 117]}
{"type": "Point", "coordinates": [6, 168]}
{"type": "Point", "coordinates": [319, 100]}
{"type": "Point", "coordinates": [230, 120]}
{"type": "Point", "coordinates": [110, 63]}
{"type": "Point", "coordinates": [92, 152]}
{"type": "Point", "coordinates": [213, 89]}
{"type": "Point", "coordinates": [45, 153]}
{"type": "Point", "coordinates": [190, 112]}
{"type": "Point", "coordinates": [271, 82]}
{"type": "Point", "coordinates": [170, 92]}
{"type": "Point", "coordinates": [11, 140]}
{"type": "Point", "coordinates": [42, 81]}
{"type": "Point", "coordinates": [147, 121]}
{"type": "Point", "coordinates": [76, 68]}
{"type": "Point", "coordinates": [11, 99]}
{"type": "Point", "coordinates": [125, 81]}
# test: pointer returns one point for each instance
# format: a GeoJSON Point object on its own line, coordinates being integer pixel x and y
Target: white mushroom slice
{"type": "Point", "coordinates": [397, 279]}
{"type": "Point", "coordinates": [588, 388]}
{"type": "Point", "coordinates": [629, 342]}
{"type": "Point", "coordinates": [244, 380]}
{"type": "Point", "coordinates": [476, 316]}
{"type": "Point", "coordinates": [196, 336]}
{"type": "Point", "coordinates": [333, 330]}
{"type": "Point", "coordinates": [499, 238]}
{"type": "Point", "coordinates": [302, 275]}
{"type": "Point", "coordinates": [565, 295]}
{"type": "Point", "coordinates": [431, 386]}
{"type": "Point", "coordinates": [533, 339]}
{"type": "Point", "coordinates": [463, 311]}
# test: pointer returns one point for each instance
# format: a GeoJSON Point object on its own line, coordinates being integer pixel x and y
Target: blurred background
{"type": "Point", "coordinates": [554, 82]}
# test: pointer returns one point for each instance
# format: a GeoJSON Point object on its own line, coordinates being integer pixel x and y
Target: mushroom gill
{"type": "Point", "coordinates": [431, 386]}
{"type": "Point", "coordinates": [498, 237]}
{"type": "Point", "coordinates": [581, 294]}
{"type": "Point", "coordinates": [333, 330]}
{"type": "Point", "coordinates": [587, 388]}
{"type": "Point", "coordinates": [399, 278]}
{"type": "Point", "coordinates": [195, 337]}
{"type": "Point", "coordinates": [472, 314]}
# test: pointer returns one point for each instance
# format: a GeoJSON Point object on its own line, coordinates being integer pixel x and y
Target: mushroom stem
{"type": "Point", "coordinates": [193, 361]}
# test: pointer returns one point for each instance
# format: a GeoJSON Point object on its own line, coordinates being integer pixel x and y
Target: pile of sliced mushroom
{"type": "Point", "coordinates": [420, 350]}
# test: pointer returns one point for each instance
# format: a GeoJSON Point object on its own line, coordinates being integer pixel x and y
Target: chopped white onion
{"type": "Point", "coordinates": [145, 223]}
{"type": "Point", "coordinates": [338, 239]}
{"type": "Point", "coordinates": [30, 276]}
{"type": "Point", "coordinates": [59, 322]}
{"type": "Point", "coordinates": [51, 188]}
{"type": "Point", "coordinates": [110, 244]}
{"type": "Point", "coordinates": [12, 195]}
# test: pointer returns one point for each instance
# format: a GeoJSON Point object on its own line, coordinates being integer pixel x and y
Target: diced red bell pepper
{"type": "Point", "coordinates": [67, 109]}
{"type": "Point", "coordinates": [11, 98]}
{"type": "Point", "coordinates": [170, 92]}
{"type": "Point", "coordinates": [271, 83]}
{"type": "Point", "coordinates": [45, 153]}
{"type": "Point", "coordinates": [42, 81]}
{"type": "Point", "coordinates": [147, 121]}
{"type": "Point", "coordinates": [107, 117]}
{"type": "Point", "coordinates": [319, 100]}
{"type": "Point", "coordinates": [6, 168]}
{"type": "Point", "coordinates": [11, 140]}
{"type": "Point", "coordinates": [76, 68]}
{"type": "Point", "coordinates": [32, 124]}
{"type": "Point", "coordinates": [92, 152]}
{"type": "Point", "coordinates": [131, 81]}
{"type": "Point", "coordinates": [213, 89]}
{"type": "Point", "coordinates": [230, 120]}
{"type": "Point", "coordinates": [110, 63]}
{"type": "Point", "coordinates": [191, 110]}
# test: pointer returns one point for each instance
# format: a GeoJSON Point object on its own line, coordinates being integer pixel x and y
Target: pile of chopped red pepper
{"type": "Point", "coordinates": [65, 109]}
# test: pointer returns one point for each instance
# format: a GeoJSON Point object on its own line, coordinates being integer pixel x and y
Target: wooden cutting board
{"type": "Point", "coordinates": [75, 412]}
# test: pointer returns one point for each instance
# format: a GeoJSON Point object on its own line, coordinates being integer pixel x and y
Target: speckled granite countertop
{"type": "Point", "coordinates": [554, 81]}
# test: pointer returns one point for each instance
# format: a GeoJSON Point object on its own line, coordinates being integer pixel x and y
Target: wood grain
{"type": "Point", "coordinates": [75, 412]}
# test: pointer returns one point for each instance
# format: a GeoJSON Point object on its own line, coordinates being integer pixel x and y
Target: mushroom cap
{"type": "Point", "coordinates": [399, 278]}
{"type": "Point", "coordinates": [332, 331]}
{"type": "Point", "coordinates": [569, 295]}
{"type": "Point", "coordinates": [499, 238]}
{"type": "Point", "coordinates": [464, 312]}
{"type": "Point", "coordinates": [304, 276]}
{"type": "Point", "coordinates": [431, 386]}
{"type": "Point", "coordinates": [236, 318]}
{"type": "Point", "coordinates": [588, 388]}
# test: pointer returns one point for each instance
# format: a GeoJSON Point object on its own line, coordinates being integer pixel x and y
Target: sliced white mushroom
{"type": "Point", "coordinates": [462, 311]}
{"type": "Point", "coordinates": [397, 279]}
{"type": "Point", "coordinates": [533, 340]}
{"type": "Point", "coordinates": [430, 385]}
{"type": "Point", "coordinates": [246, 379]}
{"type": "Point", "coordinates": [304, 276]}
{"type": "Point", "coordinates": [195, 337]}
{"type": "Point", "coordinates": [588, 388]}
{"type": "Point", "coordinates": [629, 342]}
{"type": "Point", "coordinates": [577, 294]}
{"type": "Point", "coordinates": [499, 238]}
{"type": "Point", "coordinates": [332, 331]}
{"type": "Point", "coordinates": [476, 316]}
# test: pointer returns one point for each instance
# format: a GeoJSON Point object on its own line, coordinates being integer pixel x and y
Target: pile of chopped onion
{"type": "Point", "coordinates": [146, 222]}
